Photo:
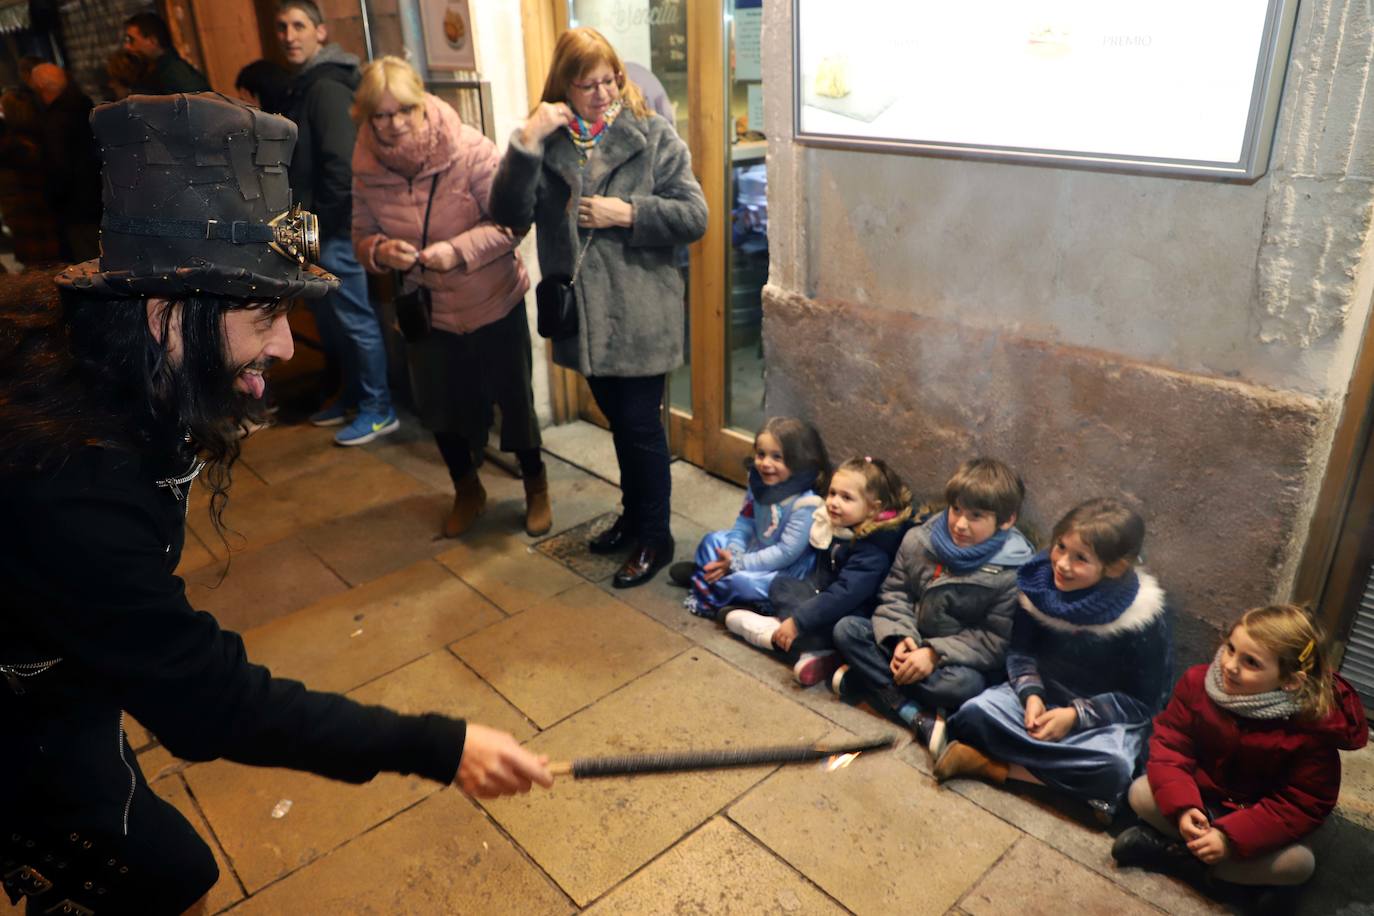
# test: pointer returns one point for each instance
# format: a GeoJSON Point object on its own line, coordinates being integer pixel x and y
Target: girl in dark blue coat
{"type": "Point", "coordinates": [866, 513]}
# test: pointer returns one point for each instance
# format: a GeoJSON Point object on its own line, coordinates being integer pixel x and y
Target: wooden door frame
{"type": "Point", "coordinates": [1335, 553]}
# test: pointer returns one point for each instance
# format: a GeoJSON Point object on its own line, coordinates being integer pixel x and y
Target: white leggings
{"type": "Point", "coordinates": [1290, 865]}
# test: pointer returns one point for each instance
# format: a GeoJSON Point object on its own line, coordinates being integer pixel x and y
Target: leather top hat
{"type": "Point", "coordinates": [197, 201]}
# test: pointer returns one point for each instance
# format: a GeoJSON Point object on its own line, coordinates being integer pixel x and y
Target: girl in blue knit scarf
{"type": "Point", "coordinates": [770, 537]}
{"type": "Point", "coordinates": [1089, 667]}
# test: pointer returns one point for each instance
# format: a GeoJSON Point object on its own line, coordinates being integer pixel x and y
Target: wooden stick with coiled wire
{"type": "Point", "coordinates": [679, 761]}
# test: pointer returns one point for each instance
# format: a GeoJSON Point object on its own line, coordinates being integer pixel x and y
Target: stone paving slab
{"type": "Point", "coordinates": [351, 638]}
{"type": "Point", "coordinates": [262, 584]}
{"type": "Point", "coordinates": [382, 539]}
{"type": "Point", "coordinates": [507, 571]}
{"type": "Point", "coordinates": [568, 652]}
{"type": "Point", "coordinates": [441, 856]}
{"type": "Point", "coordinates": [586, 445]}
{"type": "Point", "coordinates": [281, 453]}
{"type": "Point", "coordinates": [227, 890]}
{"type": "Point", "coordinates": [1068, 828]}
{"type": "Point", "coordinates": [324, 814]}
{"type": "Point", "coordinates": [878, 836]}
{"type": "Point", "coordinates": [261, 516]}
{"type": "Point", "coordinates": [1034, 880]}
{"type": "Point", "coordinates": [590, 834]}
{"type": "Point", "coordinates": [707, 500]}
{"type": "Point", "coordinates": [717, 869]}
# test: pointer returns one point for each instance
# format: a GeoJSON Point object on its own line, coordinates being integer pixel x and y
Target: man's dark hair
{"type": "Point", "coordinates": [151, 25]}
{"type": "Point", "coordinates": [308, 7]}
{"type": "Point", "coordinates": [269, 82]}
{"type": "Point", "coordinates": [80, 370]}
{"type": "Point", "coordinates": [27, 63]}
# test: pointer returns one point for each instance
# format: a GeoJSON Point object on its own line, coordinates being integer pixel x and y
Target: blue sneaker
{"type": "Point", "coordinates": [334, 415]}
{"type": "Point", "coordinates": [366, 427]}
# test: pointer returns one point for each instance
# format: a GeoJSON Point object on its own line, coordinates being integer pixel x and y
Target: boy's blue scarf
{"type": "Point", "coordinates": [962, 560]}
{"type": "Point", "coordinates": [802, 479]}
{"type": "Point", "coordinates": [1103, 603]}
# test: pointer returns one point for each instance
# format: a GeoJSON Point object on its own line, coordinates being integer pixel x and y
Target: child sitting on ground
{"type": "Point", "coordinates": [769, 538]}
{"type": "Point", "coordinates": [1244, 760]}
{"type": "Point", "coordinates": [939, 633]}
{"type": "Point", "coordinates": [1088, 664]}
{"type": "Point", "coordinates": [867, 510]}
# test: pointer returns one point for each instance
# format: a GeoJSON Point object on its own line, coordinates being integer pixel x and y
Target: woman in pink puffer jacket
{"type": "Point", "coordinates": [477, 353]}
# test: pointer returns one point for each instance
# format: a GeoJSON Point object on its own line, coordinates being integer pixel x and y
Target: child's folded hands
{"type": "Point", "coordinates": [1211, 847]}
{"type": "Point", "coordinates": [1053, 724]}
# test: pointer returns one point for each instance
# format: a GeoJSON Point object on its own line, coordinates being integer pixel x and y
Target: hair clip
{"type": "Point", "coordinates": [1306, 653]}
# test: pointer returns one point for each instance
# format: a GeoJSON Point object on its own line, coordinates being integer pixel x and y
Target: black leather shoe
{"type": "Point", "coordinates": [614, 539]}
{"type": "Point", "coordinates": [1144, 846]}
{"type": "Point", "coordinates": [644, 561]}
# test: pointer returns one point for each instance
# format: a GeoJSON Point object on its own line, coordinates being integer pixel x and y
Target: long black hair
{"type": "Point", "coordinates": [78, 370]}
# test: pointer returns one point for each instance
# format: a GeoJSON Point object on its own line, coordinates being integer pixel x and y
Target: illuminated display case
{"type": "Point", "coordinates": [1170, 86]}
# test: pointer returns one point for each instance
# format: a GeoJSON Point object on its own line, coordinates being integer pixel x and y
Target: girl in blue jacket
{"type": "Point", "coordinates": [769, 538]}
{"type": "Point", "coordinates": [866, 513]}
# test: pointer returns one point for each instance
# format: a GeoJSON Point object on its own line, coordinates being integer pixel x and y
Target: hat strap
{"type": "Point", "coordinates": [238, 231]}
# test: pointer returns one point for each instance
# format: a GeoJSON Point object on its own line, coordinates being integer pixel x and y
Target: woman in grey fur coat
{"type": "Point", "coordinates": [609, 184]}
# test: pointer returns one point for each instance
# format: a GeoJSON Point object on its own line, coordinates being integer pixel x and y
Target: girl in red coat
{"type": "Point", "coordinates": [1244, 761]}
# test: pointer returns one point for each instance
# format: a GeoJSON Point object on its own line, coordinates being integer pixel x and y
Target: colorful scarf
{"type": "Point", "coordinates": [961, 560]}
{"type": "Point", "coordinates": [1274, 704]}
{"type": "Point", "coordinates": [1103, 603]}
{"type": "Point", "coordinates": [587, 135]}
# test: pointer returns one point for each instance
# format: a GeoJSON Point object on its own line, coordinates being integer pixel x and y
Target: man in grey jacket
{"type": "Point", "coordinates": [322, 180]}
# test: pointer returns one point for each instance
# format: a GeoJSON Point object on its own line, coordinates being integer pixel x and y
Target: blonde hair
{"type": "Point", "coordinates": [881, 483]}
{"type": "Point", "coordinates": [578, 52]}
{"type": "Point", "coordinates": [1299, 645]}
{"type": "Point", "coordinates": [383, 75]}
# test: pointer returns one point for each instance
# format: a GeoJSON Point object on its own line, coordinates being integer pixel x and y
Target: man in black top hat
{"type": "Point", "coordinates": [114, 401]}
{"type": "Point", "coordinates": [147, 35]}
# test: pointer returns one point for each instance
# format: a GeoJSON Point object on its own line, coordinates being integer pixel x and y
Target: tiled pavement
{"type": "Point", "coordinates": [337, 578]}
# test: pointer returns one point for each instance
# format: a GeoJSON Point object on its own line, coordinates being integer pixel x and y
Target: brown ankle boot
{"type": "Point", "coordinates": [469, 501]}
{"type": "Point", "coordinates": [538, 513]}
{"type": "Point", "coordinates": [960, 760]}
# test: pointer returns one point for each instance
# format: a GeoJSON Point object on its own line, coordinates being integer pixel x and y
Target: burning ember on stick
{"type": "Point", "coordinates": [839, 762]}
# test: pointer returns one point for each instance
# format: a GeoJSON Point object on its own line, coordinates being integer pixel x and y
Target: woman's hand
{"type": "Point", "coordinates": [605, 212]}
{"type": "Point", "coordinates": [1054, 724]}
{"type": "Point", "coordinates": [495, 764]}
{"type": "Point", "coordinates": [784, 635]}
{"type": "Point", "coordinates": [398, 254]}
{"type": "Point", "coordinates": [1035, 706]}
{"type": "Point", "coordinates": [441, 256]}
{"type": "Point", "coordinates": [1211, 847]}
{"type": "Point", "coordinates": [1193, 824]}
{"type": "Point", "coordinates": [718, 568]}
{"type": "Point", "coordinates": [547, 118]}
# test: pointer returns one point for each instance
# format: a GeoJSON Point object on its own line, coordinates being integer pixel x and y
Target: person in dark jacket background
{"type": "Point", "coordinates": [147, 35]}
{"type": "Point", "coordinates": [264, 85]}
{"type": "Point", "coordinates": [71, 164]}
{"type": "Point", "coordinates": [322, 180]}
{"type": "Point", "coordinates": [117, 398]}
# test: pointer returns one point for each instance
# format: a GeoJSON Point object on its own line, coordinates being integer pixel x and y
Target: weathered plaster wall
{"type": "Point", "coordinates": [1186, 343]}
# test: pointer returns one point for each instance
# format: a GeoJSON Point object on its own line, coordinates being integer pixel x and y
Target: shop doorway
{"type": "Point", "coordinates": [706, 55]}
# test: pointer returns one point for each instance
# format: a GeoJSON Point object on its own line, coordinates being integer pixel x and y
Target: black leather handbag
{"type": "Point", "coordinates": [415, 309]}
{"type": "Point", "coordinates": [556, 300]}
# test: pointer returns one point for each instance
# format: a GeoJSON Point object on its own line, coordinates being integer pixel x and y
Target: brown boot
{"type": "Point", "coordinates": [538, 513]}
{"type": "Point", "coordinates": [960, 760]}
{"type": "Point", "coordinates": [469, 501]}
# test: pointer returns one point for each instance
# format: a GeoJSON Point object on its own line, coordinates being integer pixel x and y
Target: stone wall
{"type": "Point", "coordinates": [1184, 343]}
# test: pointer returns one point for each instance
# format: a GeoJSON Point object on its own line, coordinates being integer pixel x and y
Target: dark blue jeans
{"type": "Point", "coordinates": [948, 686]}
{"type": "Point", "coordinates": [349, 327]}
{"type": "Point", "coordinates": [634, 407]}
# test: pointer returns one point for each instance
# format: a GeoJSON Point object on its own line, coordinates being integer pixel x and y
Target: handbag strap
{"type": "Point", "coordinates": [399, 276]}
{"type": "Point", "coordinates": [582, 253]}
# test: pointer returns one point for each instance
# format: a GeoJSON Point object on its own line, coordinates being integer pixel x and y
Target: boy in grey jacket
{"type": "Point", "coordinates": [940, 632]}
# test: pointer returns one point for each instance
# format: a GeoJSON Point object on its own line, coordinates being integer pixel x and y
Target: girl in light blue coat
{"type": "Point", "coordinates": [771, 535]}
